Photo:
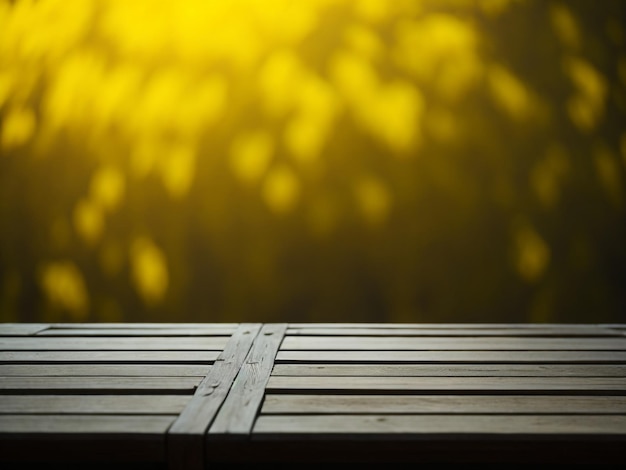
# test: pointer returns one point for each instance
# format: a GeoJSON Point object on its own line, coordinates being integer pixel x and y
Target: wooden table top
{"type": "Point", "coordinates": [191, 396]}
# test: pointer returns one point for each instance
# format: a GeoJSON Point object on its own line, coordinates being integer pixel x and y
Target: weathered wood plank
{"type": "Point", "coordinates": [450, 370]}
{"type": "Point", "coordinates": [93, 404]}
{"type": "Point", "coordinates": [185, 439]}
{"type": "Point", "coordinates": [432, 426]}
{"type": "Point", "coordinates": [350, 343]}
{"type": "Point", "coordinates": [542, 385]}
{"type": "Point", "coordinates": [143, 325]}
{"type": "Point", "coordinates": [21, 329]}
{"type": "Point", "coordinates": [460, 357]}
{"type": "Point", "coordinates": [110, 357]}
{"type": "Point", "coordinates": [237, 415]}
{"type": "Point", "coordinates": [31, 343]}
{"type": "Point", "coordinates": [84, 425]}
{"type": "Point", "coordinates": [39, 385]}
{"type": "Point", "coordinates": [149, 332]}
{"type": "Point", "coordinates": [521, 326]}
{"type": "Point", "coordinates": [441, 404]}
{"type": "Point", "coordinates": [591, 331]}
{"type": "Point", "coordinates": [99, 370]}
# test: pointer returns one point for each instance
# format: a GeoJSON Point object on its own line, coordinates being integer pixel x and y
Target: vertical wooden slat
{"type": "Point", "coordinates": [237, 415]}
{"type": "Point", "coordinates": [185, 438]}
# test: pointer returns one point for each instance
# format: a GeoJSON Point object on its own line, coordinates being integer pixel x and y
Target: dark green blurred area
{"type": "Point", "coordinates": [510, 208]}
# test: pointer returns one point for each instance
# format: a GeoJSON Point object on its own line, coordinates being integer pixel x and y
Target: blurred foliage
{"type": "Point", "coordinates": [313, 160]}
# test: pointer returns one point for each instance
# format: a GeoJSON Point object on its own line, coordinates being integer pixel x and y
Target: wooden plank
{"type": "Point", "coordinates": [350, 343]}
{"type": "Point", "coordinates": [237, 415]}
{"type": "Point", "coordinates": [109, 357]}
{"type": "Point", "coordinates": [521, 326]}
{"type": "Point", "coordinates": [99, 370]}
{"type": "Point", "coordinates": [441, 404]}
{"type": "Point", "coordinates": [143, 325]}
{"type": "Point", "coordinates": [591, 331]}
{"type": "Point", "coordinates": [457, 370]}
{"type": "Point", "coordinates": [185, 438]}
{"type": "Point", "coordinates": [541, 385]}
{"type": "Point", "coordinates": [21, 329]}
{"type": "Point", "coordinates": [449, 370]}
{"type": "Point", "coordinates": [434, 426]}
{"type": "Point", "coordinates": [31, 385]}
{"type": "Point", "coordinates": [31, 343]}
{"type": "Point", "coordinates": [459, 357]}
{"type": "Point", "coordinates": [78, 439]}
{"type": "Point", "coordinates": [93, 404]}
{"type": "Point", "coordinates": [150, 332]}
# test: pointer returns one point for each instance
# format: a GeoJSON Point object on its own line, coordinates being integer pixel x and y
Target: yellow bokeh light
{"type": "Point", "coordinates": [250, 155]}
{"type": "Point", "coordinates": [18, 126]}
{"type": "Point", "coordinates": [281, 189]}
{"type": "Point", "coordinates": [149, 273]}
{"type": "Point", "coordinates": [65, 288]}
{"type": "Point", "coordinates": [88, 220]}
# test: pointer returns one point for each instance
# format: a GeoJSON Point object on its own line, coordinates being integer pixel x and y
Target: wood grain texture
{"type": "Point", "coordinates": [93, 404]}
{"type": "Point", "coordinates": [21, 329]}
{"type": "Point", "coordinates": [458, 357]}
{"type": "Point", "coordinates": [39, 385]}
{"type": "Point", "coordinates": [449, 370]}
{"type": "Point", "coordinates": [237, 415]}
{"type": "Point", "coordinates": [398, 343]}
{"type": "Point", "coordinates": [84, 425]}
{"type": "Point", "coordinates": [185, 438]}
{"type": "Point", "coordinates": [302, 404]}
{"type": "Point", "coordinates": [451, 426]}
{"type": "Point", "coordinates": [103, 370]}
{"type": "Point", "coordinates": [215, 343]}
{"type": "Point", "coordinates": [150, 332]}
{"type": "Point", "coordinates": [591, 331]}
{"type": "Point", "coordinates": [108, 357]}
{"type": "Point", "coordinates": [537, 385]}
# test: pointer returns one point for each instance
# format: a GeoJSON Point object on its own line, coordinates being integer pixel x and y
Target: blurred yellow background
{"type": "Point", "coordinates": [313, 160]}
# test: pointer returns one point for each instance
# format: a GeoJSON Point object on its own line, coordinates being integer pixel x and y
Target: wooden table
{"type": "Point", "coordinates": [145, 395]}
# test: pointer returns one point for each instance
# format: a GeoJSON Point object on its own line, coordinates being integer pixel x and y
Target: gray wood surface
{"type": "Point", "coordinates": [310, 404]}
{"type": "Point", "coordinates": [99, 370]}
{"type": "Point", "coordinates": [237, 415]}
{"type": "Point", "coordinates": [591, 331]}
{"type": "Point", "coordinates": [546, 385]}
{"type": "Point", "coordinates": [39, 343]}
{"type": "Point", "coordinates": [397, 343]}
{"type": "Point", "coordinates": [185, 440]}
{"type": "Point", "coordinates": [108, 357]}
{"type": "Point", "coordinates": [152, 332]}
{"type": "Point", "coordinates": [21, 329]}
{"type": "Point", "coordinates": [81, 424]}
{"type": "Point", "coordinates": [452, 426]}
{"type": "Point", "coordinates": [449, 370]}
{"type": "Point", "coordinates": [98, 384]}
{"type": "Point", "coordinates": [493, 357]}
{"type": "Point", "coordinates": [93, 404]}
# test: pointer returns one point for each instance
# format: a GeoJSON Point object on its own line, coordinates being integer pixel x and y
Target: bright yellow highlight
{"type": "Point", "coordinates": [532, 252]}
{"type": "Point", "coordinates": [448, 53]}
{"type": "Point", "coordinates": [509, 92]}
{"type": "Point", "coordinates": [107, 187]}
{"type": "Point", "coordinates": [149, 270]}
{"type": "Point", "coordinates": [250, 155]}
{"type": "Point", "coordinates": [177, 165]}
{"type": "Point", "coordinates": [88, 221]}
{"type": "Point", "coordinates": [281, 189]}
{"type": "Point", "coordinates": [65, 288]}
{"type": "Point", "coordinates": [586, 107]}
{"type": "Point", "coordinates": [18, 126]}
